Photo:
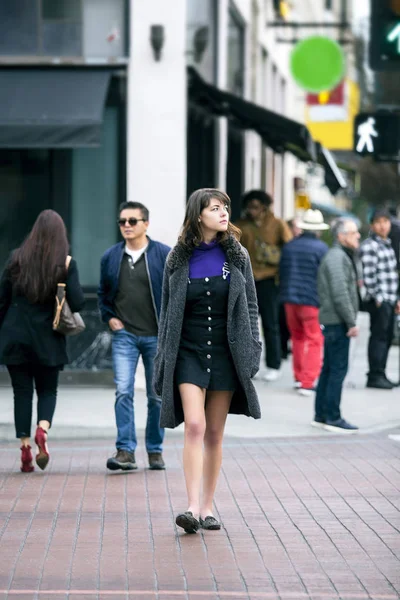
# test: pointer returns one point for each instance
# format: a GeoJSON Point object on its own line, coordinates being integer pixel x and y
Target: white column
{"type": "Point", "coordinates": [156, 142]}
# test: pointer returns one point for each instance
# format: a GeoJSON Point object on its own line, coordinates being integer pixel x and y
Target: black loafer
{"type": "Point", "coordinates": [210, 523]}
{"type": "Point", "coordinates": [188, 522]}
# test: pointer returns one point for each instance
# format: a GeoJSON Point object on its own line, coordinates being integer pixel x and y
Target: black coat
{"type": "Point", "coordinates": [243, 335]}
{"type": "Point", "coordinates": [26, 332]}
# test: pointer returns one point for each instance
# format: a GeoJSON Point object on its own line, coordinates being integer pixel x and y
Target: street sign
{"type": "Point", "coordinates": [385, 35]}
{"type": "Point", "coordinates": [329, 106]}
{"type": "Point", "coordinates": [378, 135]}
{"type": "Point", "coordinates": [317, 64]}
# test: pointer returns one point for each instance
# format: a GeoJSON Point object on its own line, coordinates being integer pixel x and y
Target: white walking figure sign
{"type": "Point", "coordinates": [366, 131]}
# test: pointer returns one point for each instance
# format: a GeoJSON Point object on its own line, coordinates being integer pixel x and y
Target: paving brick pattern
{"type": "Point", "coordinates": [304, 519]}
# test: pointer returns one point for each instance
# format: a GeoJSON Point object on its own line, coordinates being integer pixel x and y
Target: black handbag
{"type": "Point", "coordinates": [65, 321]}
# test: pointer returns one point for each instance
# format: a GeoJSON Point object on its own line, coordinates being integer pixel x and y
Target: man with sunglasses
{"type": "Point", "coordinates": [130, 300]}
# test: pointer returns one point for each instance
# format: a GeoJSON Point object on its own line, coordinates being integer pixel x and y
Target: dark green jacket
{"type": "Point", "coordinates": [337, 289]}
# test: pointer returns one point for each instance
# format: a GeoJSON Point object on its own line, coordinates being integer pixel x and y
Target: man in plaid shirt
{"type": "Point", "coordinates": [381, 282]}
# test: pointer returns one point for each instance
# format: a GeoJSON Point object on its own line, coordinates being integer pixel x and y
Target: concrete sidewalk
{"type": "Point", "coordinates": [88, 412]}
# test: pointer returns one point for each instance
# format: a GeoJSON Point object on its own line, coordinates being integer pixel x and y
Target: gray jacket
{"type": "Point", "coordinates": [243, 333]}
{"type": "Point", "coordinates": [337, 289]}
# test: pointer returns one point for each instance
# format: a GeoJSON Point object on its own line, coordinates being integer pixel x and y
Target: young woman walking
{"type": "Point", "coordinates": [209, 346]}
{"type": "Point", "coordinates": [33, 352]}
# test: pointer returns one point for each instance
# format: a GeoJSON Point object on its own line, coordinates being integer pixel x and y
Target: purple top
{"type": "Point", "coordinates": [208, 260]}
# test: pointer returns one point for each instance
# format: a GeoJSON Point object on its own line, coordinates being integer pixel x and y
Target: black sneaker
{"type": "Point", "coordinates": [124, 460]}
{"type": "Point", "coordinates": [380, 383]}
{"type": "Point", "coordinates": [156, 461]}
{"type": "Point", "coordinates": [318, 422]}
{"type": "Point", "coordinates": [340, 426]}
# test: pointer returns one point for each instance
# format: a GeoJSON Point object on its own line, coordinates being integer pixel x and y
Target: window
{"type": "Point", "coordinates": [19, 27]}
{"type": "Point", "coordinates": [61, 10]}
{"type": "Point", "coordinates": [235, 54]}
{"type": "Point", "coordinates": [25, 183]}
{"type": "Point", "coordinates": [95, 200]}
{"type": "Point", "coordinates": [201, 37]}
{"type": "Point", "coordinates": [73, 28]}
{"type": "Point", "coordinates": [104, 28]}
{"type": "Point", "coordinates": [61, 28]}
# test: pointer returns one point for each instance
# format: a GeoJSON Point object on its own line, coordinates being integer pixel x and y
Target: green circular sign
{"type": "Point", "coordinates": [317, 64]}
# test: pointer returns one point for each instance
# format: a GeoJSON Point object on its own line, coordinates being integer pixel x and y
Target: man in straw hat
{"type": "Point", "coordinates": [298, 278]}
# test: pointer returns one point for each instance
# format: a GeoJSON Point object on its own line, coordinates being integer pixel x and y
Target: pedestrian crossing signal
{"type": "Point", "coordinates": [377, 135]}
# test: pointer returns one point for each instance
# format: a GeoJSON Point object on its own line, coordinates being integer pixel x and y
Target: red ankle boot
{"type": "Point", "coordinates": [26, 459]}
{"type": "Point", "coordinates": [43, 456]}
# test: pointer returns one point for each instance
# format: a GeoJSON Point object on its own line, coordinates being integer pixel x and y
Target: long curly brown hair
{"type": "Point", "coordinates": [191, 234]}
{"type": "Point", "coordinates": [39, 263]}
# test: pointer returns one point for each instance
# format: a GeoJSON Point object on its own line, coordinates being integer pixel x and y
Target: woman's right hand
{"type": "Point", "coordinates": [115, 324]}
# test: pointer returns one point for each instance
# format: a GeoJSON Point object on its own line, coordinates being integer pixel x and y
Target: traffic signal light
{"type": "Point", "coordinates": [378, 135]}
{"type": "Point", "coordinates": [384, 47]}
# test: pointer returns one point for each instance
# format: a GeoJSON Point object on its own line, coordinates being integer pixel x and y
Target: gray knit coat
{"type": "Point", "coordinates": [243, 334]}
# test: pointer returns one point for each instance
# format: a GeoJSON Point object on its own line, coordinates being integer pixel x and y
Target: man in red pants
{"type": "Point", "coordinates": [298, 280]}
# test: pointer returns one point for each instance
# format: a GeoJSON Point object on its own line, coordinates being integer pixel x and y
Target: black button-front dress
{"type": "Point", "coordinates": [204, 358]}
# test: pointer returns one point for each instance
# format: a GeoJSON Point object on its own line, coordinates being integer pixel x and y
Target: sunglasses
{"type": "Point", "coordinates": [132, 221]}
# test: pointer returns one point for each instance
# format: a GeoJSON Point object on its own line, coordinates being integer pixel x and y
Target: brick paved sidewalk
{"type": "Point", "coordinates": [314, 519]}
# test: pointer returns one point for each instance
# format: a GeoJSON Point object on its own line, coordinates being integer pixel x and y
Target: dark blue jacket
{"type": "Point", "coordinates": [299, 265]}
{"type": "Point", "coordinates": [155, 257]}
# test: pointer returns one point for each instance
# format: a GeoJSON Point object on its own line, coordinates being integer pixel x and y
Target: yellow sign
{"type": "Point", "coordinates": [335, 134]}
{"type": "Point", "coordinates": [302, 201]}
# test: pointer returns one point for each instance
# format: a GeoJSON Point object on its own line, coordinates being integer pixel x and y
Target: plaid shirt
{"type": "Point", "coordinates": [380, 269]}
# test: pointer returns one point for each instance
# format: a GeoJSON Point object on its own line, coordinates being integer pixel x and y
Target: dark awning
{"type": "Point", "coordinates": [278, 132]}
{"type": "Point", "coordinates": [52, 108]}
{"type": "Point", "coordinates": [334, 179]}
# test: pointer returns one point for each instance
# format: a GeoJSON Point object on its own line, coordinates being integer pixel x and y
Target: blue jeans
{"type": "Point", "coordinates": [126, 349]}
{"type": "Point", "coordinates": [334, 370]}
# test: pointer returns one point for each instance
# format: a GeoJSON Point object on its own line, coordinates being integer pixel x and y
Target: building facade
{"type": "Point", "coordinates": [110, 100]}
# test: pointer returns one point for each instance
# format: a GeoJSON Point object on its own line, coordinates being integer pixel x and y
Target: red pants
{"type": "Point", "coordinates": [307, 342]}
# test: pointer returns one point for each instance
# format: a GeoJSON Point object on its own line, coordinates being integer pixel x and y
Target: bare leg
{"type": "Point", "coordinates": [44, 425]}
{"type": "Point", "coordinates": [193, 399]}
{"type": "Point", "coordinates": [217, 408]}
{"type": "Point", "coordinates": [25, 441]}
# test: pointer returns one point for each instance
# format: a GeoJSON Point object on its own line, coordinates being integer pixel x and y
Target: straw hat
{"type": "Point", "coordinates": [312, 220]}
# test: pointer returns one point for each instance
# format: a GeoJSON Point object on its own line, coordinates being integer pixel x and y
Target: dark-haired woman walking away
{"type": "Point", "coordinates": [33, 352]}
{"type": "Point", "coordinates": [209, 346]}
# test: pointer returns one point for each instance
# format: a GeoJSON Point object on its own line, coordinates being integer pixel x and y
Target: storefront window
{"type": "Point", "coordinates": [95, 200]}
{"type": "Point", "coordinates": [25, 183]}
